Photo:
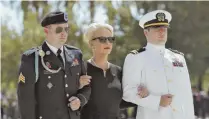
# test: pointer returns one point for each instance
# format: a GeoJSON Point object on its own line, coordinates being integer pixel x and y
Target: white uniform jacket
{"type": "Point", "coordinates": [162, 71]}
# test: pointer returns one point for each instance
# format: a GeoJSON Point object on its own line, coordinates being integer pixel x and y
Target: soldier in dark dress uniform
{"type": "Point", "coordinates": [48, 86]}
{"type": "Point", "coordinates": [106, 89]}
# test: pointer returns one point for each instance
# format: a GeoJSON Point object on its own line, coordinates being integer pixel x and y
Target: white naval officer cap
{"type": "Point", "coordinates": [155, 18]}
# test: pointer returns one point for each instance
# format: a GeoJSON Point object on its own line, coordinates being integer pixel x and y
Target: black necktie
{"type": "Point", "coordinates": [59, 56]}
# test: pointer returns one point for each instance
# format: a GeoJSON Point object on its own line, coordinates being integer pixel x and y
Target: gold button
{"type": "Point", "coordinates": [65, 76]}
{"type": "Point", "coordinates": [169, 81]}
{"type": "Point", "coordinates": [174, 109]}
{"type": "Point", "coordinates": [40, 117]}
{"type": "Point", "coordinates": [77, 73]}
{"type": "Point", "coordinates": [49, 77]}
{"type": "Point", "coordinates": [67, 95]}
{"type": "Point", "coordinates": [66, 85]}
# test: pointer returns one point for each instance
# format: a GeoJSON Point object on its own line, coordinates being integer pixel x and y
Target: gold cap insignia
{"type": "Point", "coordinates": [160, 16]}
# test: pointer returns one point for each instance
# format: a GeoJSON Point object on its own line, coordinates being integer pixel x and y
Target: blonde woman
{"type": "Point", "coordinates": [106, 93]}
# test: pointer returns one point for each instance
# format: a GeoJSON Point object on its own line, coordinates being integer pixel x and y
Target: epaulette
{"type": "Point", "coordinates": [30, 51]}
{"type": "Point", "coordinates": [137, 51]}
{"type": "Point", "coordinates": [72, 47]}
{"type": "Point", "coordinates": [176, 51]}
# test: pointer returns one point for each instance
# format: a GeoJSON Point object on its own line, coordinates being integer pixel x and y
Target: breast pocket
{"type": "Point", "coordinates": [155, 80]}
{"type": "Point", "coordinates": [75, 75]}
{"type": "Point", "coordinates": [47, 81]}
{"type": "Point", "coordinates": [75, 70]}
{"type": "Point", "coordinates": [180, 75]}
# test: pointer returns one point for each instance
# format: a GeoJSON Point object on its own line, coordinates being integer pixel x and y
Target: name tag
{"type": "Point", "coordinates": [47, 72]}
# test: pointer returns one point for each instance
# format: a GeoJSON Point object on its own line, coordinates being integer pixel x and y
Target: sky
{"type": "Point", "coordinates": [12, 14]}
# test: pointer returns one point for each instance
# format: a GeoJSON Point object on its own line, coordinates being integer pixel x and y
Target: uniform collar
{"type": "Point", "coordinates": [54, 49]}
{"type": "Point", "coordinates": [158, 48]}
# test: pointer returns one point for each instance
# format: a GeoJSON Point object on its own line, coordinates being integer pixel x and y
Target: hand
{"type": "Point", "coordinates": [75, 103]}
{"type": "Point", "coordinates": [142, 91]}
{"type": "Point", "coordinates": [84, 80]}
{"type": "Point", "coordinates": [166, 100]}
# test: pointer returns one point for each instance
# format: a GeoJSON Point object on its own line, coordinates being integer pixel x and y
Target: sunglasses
{"type": "Point", "coordinates": [60, 29]}
{"type": "Point", "coordinates": [104, 39]}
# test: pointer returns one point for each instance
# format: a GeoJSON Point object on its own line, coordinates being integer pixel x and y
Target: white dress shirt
{"type": "Point", "coordinates": [54, 50]}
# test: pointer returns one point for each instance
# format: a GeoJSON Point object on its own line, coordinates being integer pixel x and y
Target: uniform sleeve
{"type": "Point", "coordinates": [189, 98]}
{"type": "Point", "coordinates": [132, 77]}
{"type": "Point", "coordinates": [84, 93]}
{"type": "Point", "coordinates": [26, 88]}
{"type": "Point", "coordinates": [124, 104]}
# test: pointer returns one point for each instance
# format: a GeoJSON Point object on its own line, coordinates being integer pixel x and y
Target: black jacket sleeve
{"type": "Point", "coordinates": [124, 104]}
{"type": "Point", "coordinates": [85, 92]}
{"type": "Point", "coordinates": [26, 88]}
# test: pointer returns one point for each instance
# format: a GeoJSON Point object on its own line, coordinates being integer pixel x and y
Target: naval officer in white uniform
{"type": "Point", "coordinates": [163, 71]}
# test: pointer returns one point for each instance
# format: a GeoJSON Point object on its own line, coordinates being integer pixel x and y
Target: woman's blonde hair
{"type": "Point", "coordinates": [95, 26]}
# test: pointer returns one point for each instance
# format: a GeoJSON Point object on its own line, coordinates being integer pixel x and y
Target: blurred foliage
{"type": "Point", "coordinates": [188, 33]}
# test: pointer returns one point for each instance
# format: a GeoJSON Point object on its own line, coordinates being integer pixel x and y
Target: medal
{"type": "Point", "coordinates": [48, 52]}
{"type": "Point", "coordinates": [49, 85]}
{"type": "Point", "coordinates": [41, 53]}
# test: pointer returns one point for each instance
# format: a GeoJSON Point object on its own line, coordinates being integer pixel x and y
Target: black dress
{"type": "Point", "coordinates": [106, 93]}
